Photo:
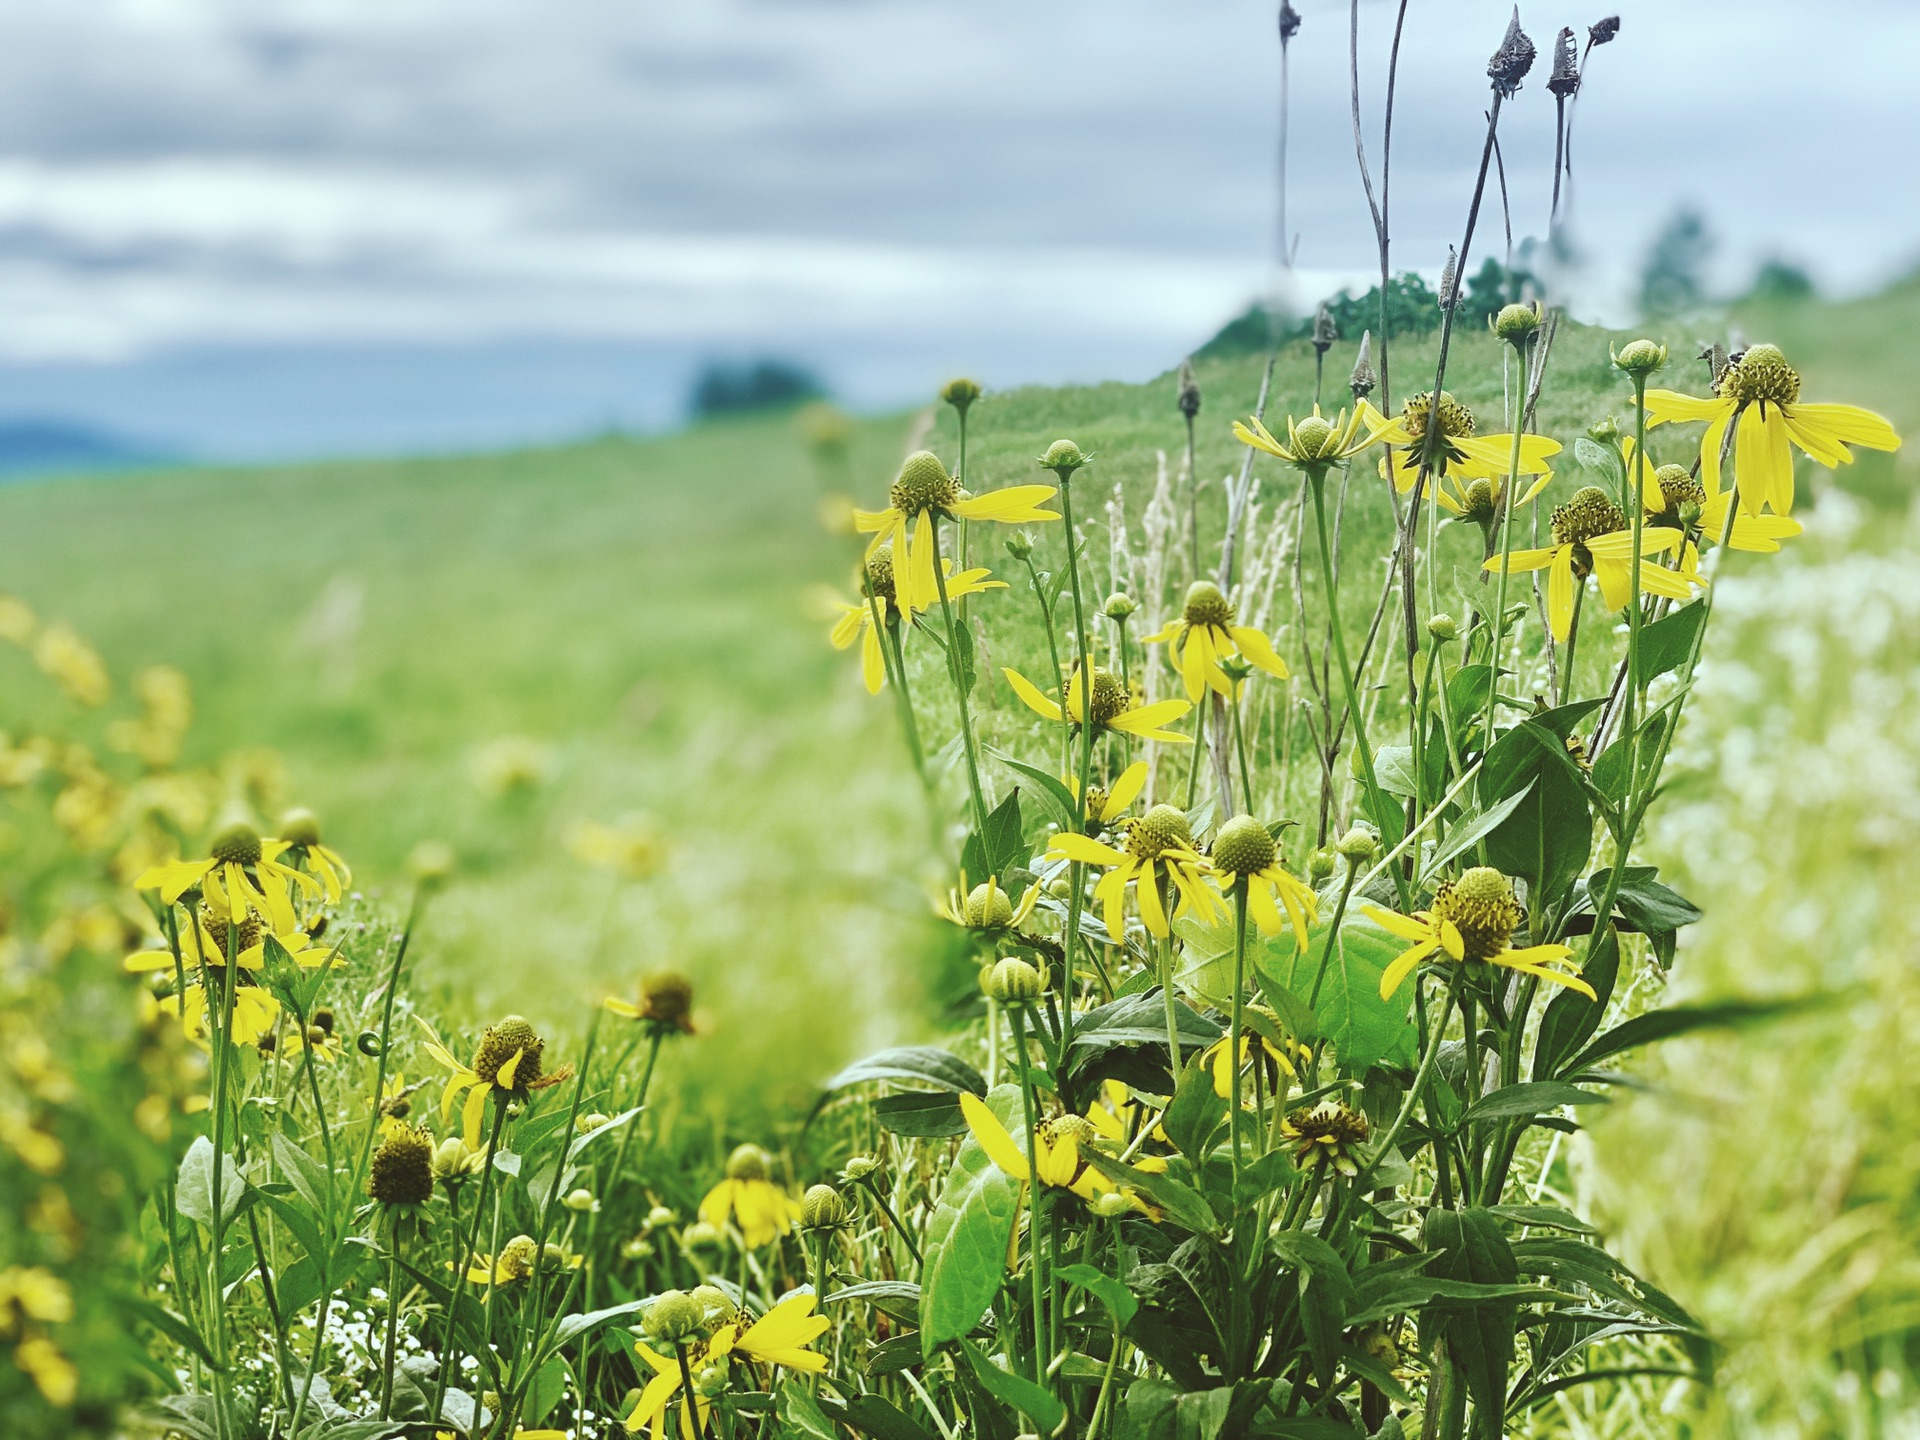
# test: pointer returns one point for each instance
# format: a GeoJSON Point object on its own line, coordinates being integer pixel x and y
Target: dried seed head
{"type": "Point", "coordinates": [402, 1168]}
{"type": "Point", "coordinates": [1325, 332]}
{"type": "Point", "coordinates": [922, 485]}
{"type": "Point", "coordinates": [1244, 847]}
{"type": "Point", "coordinates": [1761, 375]}
{"type": "Point", "coordinates": [1450, 280]}
{"type": "Point", "coordinates": [1363, 380]}
{"type": "Point", "coordinates": [1565, 79]}
{"type": "Point", "coordinates": [1679, 486]}
{"type": "Point", "coordinates": [237, 844]}
{"type": "Point", "coordinates": [960, 393]}
{"type": "Point", "coordinates": [1161, 829]}
{"type": "Point", "coordinates": [1063, 457]}
{"type": "Point", "coordinates": [823, 1208]}
{"type": "Point", "coordinates": [750, 1163]}
{"type": "Point", "coordinates": [1512, 61]}
{"type": "Point", "coordinates": [1601, 33]}
{"type": "Point", "coordinates": [499, 1044]}
{"type": "Point", "coordinates": [1206, 605]}
{"type": "Point", "coordinates": [1289, 22]}
{"type": "Point", "coordinates": [1482, 908]}
{"type": "Point", "coordinates": [1188, 395]}
{"type": "Point", "coordinates": [989, 907]}
{"type": "Point", "coordinates": [1590, 512]}
{"type": "Point", "coordinates": [1011, 981]}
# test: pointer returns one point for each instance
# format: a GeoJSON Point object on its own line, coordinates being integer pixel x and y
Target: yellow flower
{"type": "Point", "coordinates": [1590, 537]}
{"type": "Point", "coordinates": [1668, 491]}
{"type": "Point", "coordinates": [1759, 394]}
{"type": "Point", "coordinates": [1105, 807]}
{"type": "Point", "coordinates": [74, 663]}
{"type": "Point", "coordinates": [1205, 634]}
{"type": "Point", "coordinates": [1218, 1057]}
{"type": "Point", "coordinates": [923, 493]}
{"type": "Point", "coordinates": [666, 1002]}
{"type": "Point", "coordinates": [855, 620]}
{"type": "Point", "coordinates": [1158, 845]}
{"type": "Point", "coordinates": [1057, 1144]}
{"type": "Point", "coordinates": [1245, 850]}
{"type": "Point", "coordinates": [1326, 1134]}
{"type": "Point", "coordinates": [1472, 918]}
{"type": "Point", "coordinates": [1315, 441]}
{"type": "Point", "coordinates": [762, 1209]}
{"type": "Point", "coordinates": [1113, 707]}
{"type": "Point", "coordinates": [206, 942]}
{"type": "Point", "coordinates": [513, 1264]}
{"type": "Point", "coordinates": [506, 1064]}
{"type": "Point", "coordinates": [629, 849]}
{"type": "Point", "coordinates": [780, 1337]}
{"type": "Point", "coordinates": [300, 829]}
{"type": "Point", "coordinates": [1456, 451]}
{"type": "Point", "coordinates": [254, 1011]}
{"type": "Point", "coordinates": [241, 871]}
{"type": "Point", "coordinates": [986, 906]}
{"type": "Point", "coordinates": [1478, 500]}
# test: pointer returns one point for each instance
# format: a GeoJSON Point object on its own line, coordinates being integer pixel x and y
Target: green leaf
{"type": "Point", "coordinates": [1326, 1295]}
{"type": "Point", "coordinates": [573, 1326]}
{"type": "Point", "coordinates": [801, 1417]}
{"type": "Point", "coordinates": [547, 1388]}
{"type": "Point", "coordinates": [1570, 1018]}
{"type": "Point", "coordinates": [1468, 832]}
{"type": "Point", "coordinates": [1548, 1216]}
{"type": "Point", "coordinates": [1000, 847]}
{"type": "Point", "coordinates": [1120, 1302]}
{"type": "Point", "coordinates": [967, 1236]}
{"type": "Point", "coordinates": [1471, 1249]}
{"type": "Point", "coordinates": [194, 1415]}
{"type": "Point", "coordinates": [960, 659]}
{"type": "Point", "coordinates": [174, 1327]}
{"type": "Point", "coordinates": [1549, 835]}
{"type": "Point", "coordinates": [1181, 1203]}
{"type": "Point", "coordinates": [899, 1299]}
{"type": "Point", "coordinates": [1141, 1019]}
{"type": "Point", "coordinates": [879, 1417]}
{"type": "Point", "coordinates": [1054, 797]}
{"type": "Point", "coordinates": [1530, 1098]}
{"type": "Point", "coordinates": [1194, 1114]}
{"type": "Point", "coordinates": [1642, 902]}
{"type": "Point", "coordinates": [921, 1114]}
{"type": "Point", "coordinates": [940, 1068]}
{"type": "Point", "coordinates": [1364, 1029]}
{"type": "Point", "coordinates": [193, 1190]}
{"type": "Point", "coordinates": [1668, 642]}
{"type": "Point", "coordinates": [1029, 1399]}
{"type": "Point", "coordinates": [294, 1216]}
{"type": "Point", "coordinates": [1375, 1372]}
{"type": "Point", "coordinates": [1684, 1019]}
{"type": "Point", "coordinates": [1393, 769]}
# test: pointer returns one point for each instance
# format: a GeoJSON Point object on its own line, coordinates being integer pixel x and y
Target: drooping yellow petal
{"type": "Point", "coordinates": [1085, 849]}
{"type": "Point", "coordinates": [1669, 405]}
{"type": "Point", "coordinates": [1517, 560]}
{"type": "Point", "coordinates": [1035, 700]}
{"type": "Point", "coordinates": [873, 663]}
{"type": "Point", "coordinates": [1015, 505]}
{"type": "Point", "coordinates": [991, 1136]}
{"type": "Point", "coordinates": [1404, 965]}
{"type": "Point", "coordinates": [1125, 790]}
{"type": "Point", "coordinates": [1258, 650]}
{"type": "Point", "coordinates": [1152, 913]}
{"type": "Point", "coordinates": [1560, 593]}
{"type": "Point", "coordinates": [1450, 938]}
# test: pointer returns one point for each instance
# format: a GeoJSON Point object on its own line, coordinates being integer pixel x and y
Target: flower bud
{"type": "Point", "coordinates": [960, 393]}
{"type": "Point", "coordinates": [1516, 324]}
{"type": "Point", "coordinates": [1320, 865]}
{"type": "Point", "coordinates": [716, 1306]}
{"type": "Point", "coordinates": [1063, 457]}
{"type": "Point", "coordinates": [1012, 981]}
{"type": "Point", "coordinates": [1640, 357]}
{"type": "Point", "coordinates": [1605, 432]}
{"type": "Point", "coordinates": [1110, 1205]}
{"type": "Point", "coordinates": [553, 1255]}
{"type": "Point", "coordinates": [658, 1216]}
{"type": "Point", "coordinates": [1019, 546]}
{"type": "Point", "coordinates": [587, 1124]}
{"type": "Point", "coordinates": [1120, 606]}
{"type": "Point", "coordinates": [712, 1378]}
{"type": "Point", "coordinates": [1443, 628]}
{"type": "Point", "coordinates": [430, 863]}
{"type": "Point", "coordinates": [701, 1236]}
{"type": "Point", "coordinates": [823, 1208]}
{"type": "Point", "coordinates": [859, 1168]}
{"type": "Point", "coordinates": [638, 1248]}
{"type": "Point", "coordinates": [582, 1200]}
{"type": "Point", "coordinates": [673, 1318]}
{"type": "Point", "coordinates": [749, 1162]}
{"type": "Point", "coordinates": [1358, 844]}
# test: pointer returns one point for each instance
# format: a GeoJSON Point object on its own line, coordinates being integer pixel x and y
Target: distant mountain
{"type": "Point", "coordinates": [30, 446]}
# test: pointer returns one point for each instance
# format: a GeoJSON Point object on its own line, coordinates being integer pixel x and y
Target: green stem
{"type": "Point", "coordinates": [1166, 992]}
{"type": "Point", "coordinates": [386, 1025]}
{"type": "Point", "coordinates": [393, 1321]}
{"type": "Point", "coordinates": [620, 1155]}
{"type": "Point", "coordinates": [1500, 590]}
{"type": "Point", "coordinates": [222, 1073]}
{"type": "Point", "coordinates": [959, 690]}
{"type": "Point", "coordinates": [463, 1261]}
{"type": "Point", "coordinates": [1084, 672]}
{"type": "Point", "coordinates": [1629, 717]}
{"type": "Point", "coordinates": [1233, 1034]}
{"type": "Point", "coordinates": [886, 1208]}
{"type": "Point", "coordinates": [1573, 640]}
{"type": "Point", "coordinates": [1017, 1017]}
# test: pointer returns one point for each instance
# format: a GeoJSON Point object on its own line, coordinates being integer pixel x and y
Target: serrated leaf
{"type": "Point", "coordinates": [967, 1236]}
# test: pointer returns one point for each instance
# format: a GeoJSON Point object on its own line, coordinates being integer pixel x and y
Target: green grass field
{"type": "Point", "coordinates": [635, 612]}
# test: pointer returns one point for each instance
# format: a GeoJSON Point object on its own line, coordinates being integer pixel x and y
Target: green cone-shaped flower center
{"type": "Point", "coordinates": [989, 908]}
{"type": "Point", "coordinates": [1206, 605]}
{"type": "Point", "coordinates": [1482, 908]}
{"type": "Point", "coordinates": [1678, 486]}
{"type": "Point", "coordinates": [1109, 695]}
{"type": "Point", "coordinates": [236, 845]}
{"type": "Point", "coordinates": [1162, 828]}
{"type": "Point", "coordinates": [501, 1043]}
{"type": "Point", "coordinates": [1243, 846]}
{"type": "Point", "coordinates": [1589, 513]}
{"type": "Point", "coordinates": [1762, 374]}
{"type": "Point", "coordinates": [1069, 1127]}
{"type": "Point", "coordinates": [1313, 438]}
{"type": "Point", "coordinates": [880, 573]}
{"type": "Point", "coordinates": [1480, 500]}
{"type": "Point", "coordinates": [924, 484]}
{"type": "Point", "coordinates": [749, 1162]}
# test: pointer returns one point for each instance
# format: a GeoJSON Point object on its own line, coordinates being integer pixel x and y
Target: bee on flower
{"type": "Point", "coordinates": [924, 493]}
{"type": "Point", "coordinates": [1204, 635]}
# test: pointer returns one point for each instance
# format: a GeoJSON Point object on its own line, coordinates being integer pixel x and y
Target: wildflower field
{"type": "Point", "coordinates": [1355, 889]}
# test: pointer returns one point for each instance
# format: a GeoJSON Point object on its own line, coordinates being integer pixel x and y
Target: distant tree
{"type": "Point", "coordinates": [1674, 277]}
{"type": "Point", "coordinates": [1778, 280]}
{"type": "Point", "coordinates": [1412, 309]}
{"type": "Point", "coordinates": [727, 389]}
{"type": "Point", "coordinates": [1491, 288]}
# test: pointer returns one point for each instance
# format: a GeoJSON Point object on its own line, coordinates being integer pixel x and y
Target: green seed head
{"type": "Point", "coordinates": [923, 485]}
{"type": "Point", "coordinates": [1063, 457]}
{"type": "Point", "coordinates": [716, 1306]}
{"type": "Point", "coordinates": [1678, 486]}
{"type": "Point", "coordinates": [517, 1257]}
{"type": "Point", "coordinates": [1761, 374]}
{"type": "Point", "coordinates": [1012, 981]}
{"type": "Point", "coordinates": [1443, 628]}
{"type": "Point", "coordinates": [1119, 606]}
{"type": "Point", "coordinates": [1244, 847]}
{"type": "Point", "coordinates": [1482, 908]}
{"type": "Point", "coordinates": [1640, 357]}
{"type": "Point", "coordinates": [1479, 507]}
{"type": "Point", "coordinates": [237, 844]}
{"type": "Point", "coordinates": [1076, 1128]}
{"type": "Point", "coordinates": [960, 393]}
{"type": "Point", "coordinates": [499, 1044]}
{"type": "Point", "coordinates": [749, 1162]}
{"type": "Point", "coordinates": [402, 1169]}
{"type": "Point", "coordinates": [1589, 513]}
{"type": "Point", "coordinates": [1161, 829]}
{"type": "Point", "coordinates": [1313, 439]}
{"type": "Point", "coordinates": [879, 574]}
{"type": "Point", "coordinates": [1207, 606]}
{"type": "Point", "coordinates": [674, 1318]}
{"type": "Point", "coordinates": [1359, 844]}
{"type": "Point", "coordinates": [701, 1236]}
{"type": "Point", "coordinates": [1516, 323]}
{"type": "Point", "coordinates": [823, 1208]}
{"type": "Point", "coordinates": [989, 908]}
{"type": "Point", "coordinates": [1320, 865]}
{"type": "Point", "coordinates": [300, 827]}
{"type": "Point", "coordinates": [859, 1168]}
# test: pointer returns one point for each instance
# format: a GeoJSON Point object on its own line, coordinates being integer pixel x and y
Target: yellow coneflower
{"type": "Point", "coordinates": [1478, 500]}
{"type": "Point", "coordinates": [1315, 441]}
{"type": "Point", "coordinates": [401, 1172]}
{"type": "Point", "coordinates": [1759, 394]}
{"type": "Point", "coordinates": [1456, 451]}
{"type": "Point", "coordinates": [1675, 498]}
{"type": "Point", "coordinates": [923, 493]}
{"type": "Point", "coordinates": [1057, 1144]}
{"type": "Point", "coordinates": [1245, 850]}
{"type": "Point", "coordinates": [241, 872]}
{"type": "Point", "coordinates": [856, 619]}
{"type": "Point", "coordinates": [1471, 919]}
{"type": "Point", "coordinates": [763, 1211]}
{"type": "Point", "coordinates": [780, 1337]}
{"type": "Point", "coordinates": [1204, 635]}
{"type": "Point", "coordinates": [1113, 707]}
{"type": "Point", "coordinates": [1157, 844]}
{"type": "Point", "coordinates": [1591, 537]}
{"type": "Point", "coordinates": [300, 830]}
{"type": "Point", "coordinates": [1328, 1134]}
{"type": "Point", "coordinates": [206, 943]}
{"type": "Point", "coordinates": [986, 907]}
{"type": "Point", "coordinates": [254, 1010]}
{"type": "Point", "coordinates": [1105, 807]}
{"type": "Point", "coordinates": [1284, 1058]}
{"type": "Point", "coordinates": [666, 1002]}
{"type": "Point", "coordinates": [506, 1064]}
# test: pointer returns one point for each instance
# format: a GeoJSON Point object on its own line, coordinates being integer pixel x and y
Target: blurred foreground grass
{"type": "Point", "coordinates": [486, 650]}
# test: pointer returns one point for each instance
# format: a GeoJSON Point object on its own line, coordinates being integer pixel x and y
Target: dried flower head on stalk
{"type": "Point", "coordinates": [1512, 61]}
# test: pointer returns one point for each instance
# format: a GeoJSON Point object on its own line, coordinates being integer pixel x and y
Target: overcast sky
{"type": "Point", "coordinates": [539, 215]}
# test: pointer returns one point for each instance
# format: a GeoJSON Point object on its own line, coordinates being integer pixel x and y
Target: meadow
{"type": "Point", "coordinates": [489, 651]}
